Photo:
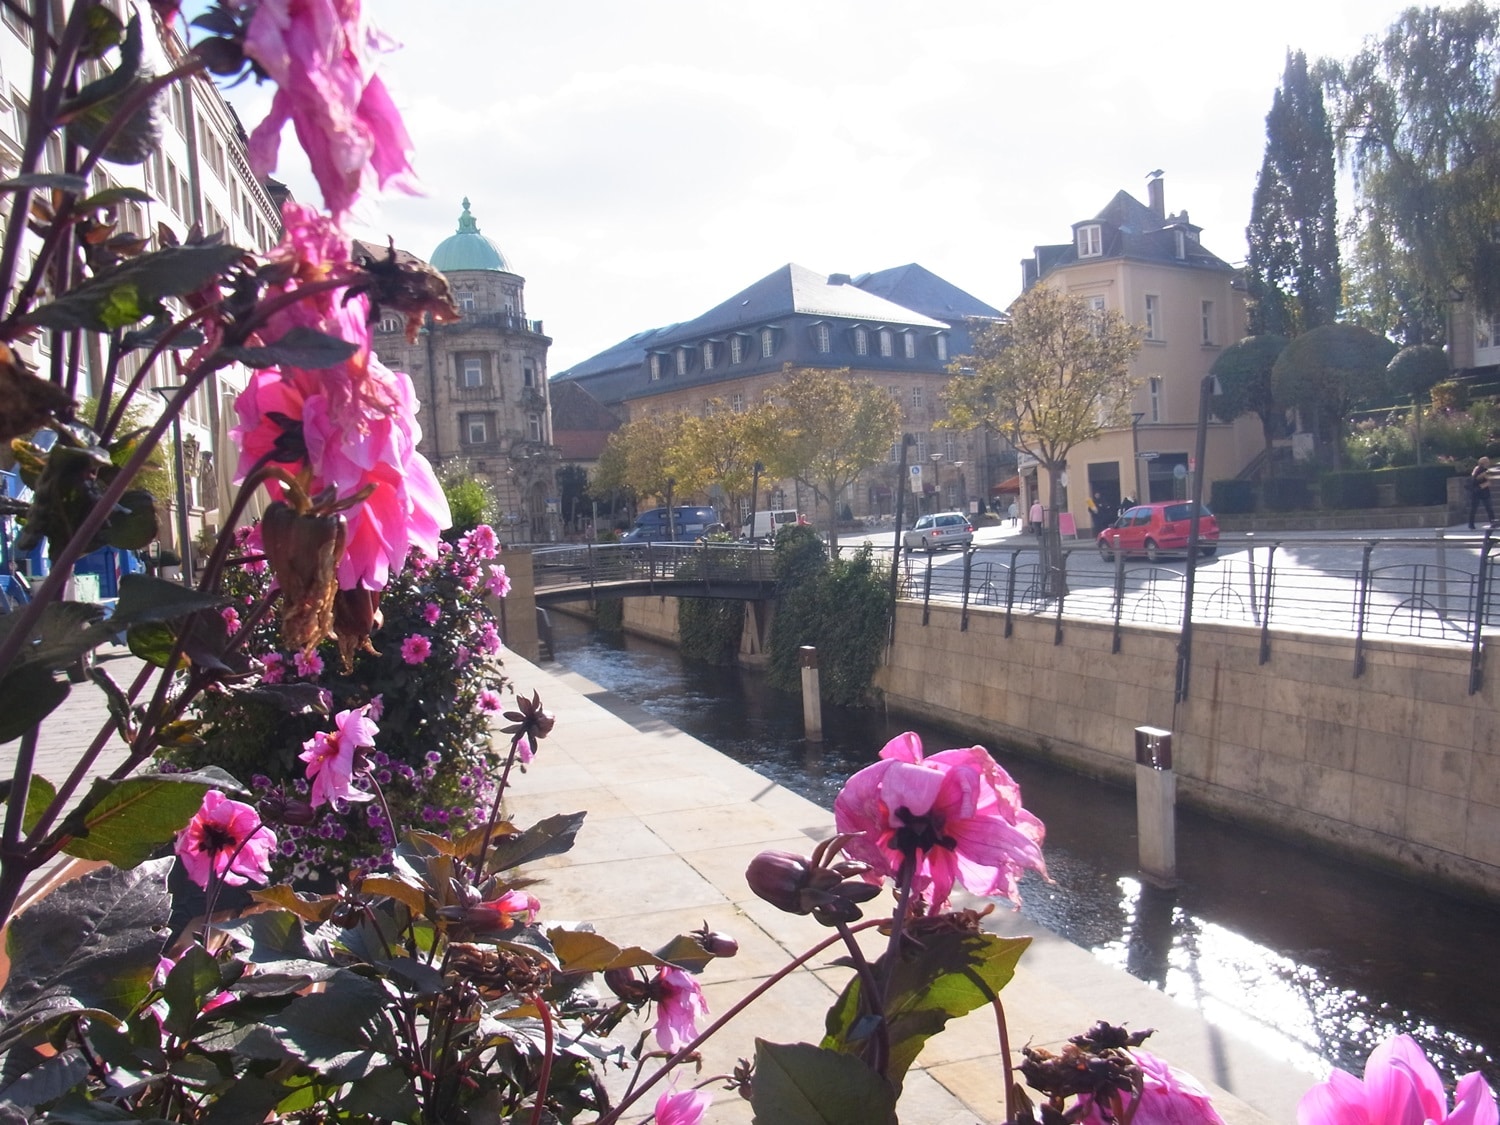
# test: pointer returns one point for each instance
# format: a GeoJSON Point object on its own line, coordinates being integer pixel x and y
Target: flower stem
{"type": "Point", "coordinates": [874, 1000]}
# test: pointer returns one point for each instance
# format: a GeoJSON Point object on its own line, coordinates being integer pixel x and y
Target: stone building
{"type": "Point", "coordinates": [482, 382]}
{"type": "Point", "coordinates": [900, 328]}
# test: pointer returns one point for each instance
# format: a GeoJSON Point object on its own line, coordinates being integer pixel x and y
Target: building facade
{"type": "Point", "coordinates": [197, 175]}
{"type": "Point", "coordinates": [900, 328]}
{"type": "Point", "coordinates": [482, 382]}
{"type": "Point", "coordinates": [1152, 268]}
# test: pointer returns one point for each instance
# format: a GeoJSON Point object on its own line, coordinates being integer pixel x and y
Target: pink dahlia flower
{"type": "Point", "coordinates": [415, 649]}
{"type": "Point", "coordinates": [321, 54]}
{"type": "Point", "coordinates": [498, 583]}
{"type": "Point", "coordinates": [1400, 1087]}
{"type": "Point", "coordinates": [489, 701]}
{"type": "Point", "coordinates": [1168, 1097]}
{"type": "Point", "coordinates": [330, 758]}
{"type": "Point", "coordinates": [226, 839]}
{"type": "Point", "coordinates": [686, 1108]}
{"type": "Point", "coordinates": [679, 1004]}
{"type": "Point", "coordinates": [957, 815]}
{"type": "Point", "coordinates": [431, 612]}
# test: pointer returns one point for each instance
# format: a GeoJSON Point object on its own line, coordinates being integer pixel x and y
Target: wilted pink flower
{"type": "Point", "coordinates": [431, 612]}
{"type": "Point", "coordinates": [512, 907]}
{"type": "Point", "coordinates": [1168, 1097]}
{"type": "Point", "coordinates": [376, 707]}
{"type": "Point", "coordinates": [686, 1108]}
{"type": "Point", "coordinates": [226, 839]}
{"type": "Point", "coordinates": [498, 583]}
{"type": "Point", "coordinates": [330, 757]}
{"type": "Point", "coordinates": [957, 815]}
{"type": "Point", "coordinates": [679, 1003]}
{"type": "Point", "coordinates": [321, 55]}
{"type": "Point", "coordinates": [415, 649]}
{"type": "Point", "coordinates": [1400, 1087]}
{"type": "Point", "coordinates": [489, 701]}
{"type": "Point", "coordinates": [308, 664]}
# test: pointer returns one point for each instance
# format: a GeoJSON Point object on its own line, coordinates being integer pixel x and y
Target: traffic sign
{"type": "Point", "coordinates": [1148, 455]}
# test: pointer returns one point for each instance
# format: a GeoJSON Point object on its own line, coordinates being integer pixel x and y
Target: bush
{"type": "Point", "coordinates": [1449, 395]}
{"type": "Point", "coordinates": [1232, 497]}
{"type": "Point", "coordinates": [1419, 485]}
{"type": "Point", "coordinates": [1349, 490]}
{"type": "Point", "coordinates": [1285, 494]}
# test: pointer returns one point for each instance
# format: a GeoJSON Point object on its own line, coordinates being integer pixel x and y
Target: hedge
{"type": "Point", "coordinates": [1418, 485]}
{"type": "Point", "coordinates": [1232, 497]}
{"type": "Point", "coordinates": [1286, 494]}
{"type": "Point", "coordinates": [1350, 490]}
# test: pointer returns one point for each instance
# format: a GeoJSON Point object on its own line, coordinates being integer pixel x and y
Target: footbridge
{"type": "Point", "coordinates": [679, 570]}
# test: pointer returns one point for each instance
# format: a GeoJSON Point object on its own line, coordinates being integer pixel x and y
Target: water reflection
{"type": "Point", "coordinates": [1315, 960]}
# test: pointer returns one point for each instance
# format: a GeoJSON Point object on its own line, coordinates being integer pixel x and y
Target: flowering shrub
{"type": "Point", "coordinates": [420, 694]}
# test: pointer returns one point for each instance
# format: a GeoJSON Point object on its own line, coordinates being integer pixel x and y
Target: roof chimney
{"type": "Point", "coordinates": [1156, 193]}
{"type": "Point", "coordinates": [838, 279]}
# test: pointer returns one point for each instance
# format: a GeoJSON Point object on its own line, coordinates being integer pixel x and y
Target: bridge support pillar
{"type": "Point", "coordinates": [812, 700]}
{"type": "Point", "coordinates": [1156, 805]}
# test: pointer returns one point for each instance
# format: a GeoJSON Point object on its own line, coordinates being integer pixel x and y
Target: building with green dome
{"type": "Point", "coordinates": [482, 382]}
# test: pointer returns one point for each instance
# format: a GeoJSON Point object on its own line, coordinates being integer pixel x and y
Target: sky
{"type": "Point", "coordinates": [640, 163]}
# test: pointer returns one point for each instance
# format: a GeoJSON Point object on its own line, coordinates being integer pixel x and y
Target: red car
{"type": "Point", "coordinates": [1156, 529]}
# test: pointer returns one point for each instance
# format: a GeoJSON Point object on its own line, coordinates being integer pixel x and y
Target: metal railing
{"type": "Point", "coordinates": [713, 566]}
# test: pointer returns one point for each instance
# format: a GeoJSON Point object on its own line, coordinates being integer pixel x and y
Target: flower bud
{"type": "Point", "coordinates": [780, 878]}
{"type": "Point", "coordinates": [304, 552]}
{"type": "Point", "coordinates": [356, 614]}
{"type": "Point", "coordinates": [627, 985]}
{"type": "Point", "coordinates": [714, 943]}
{"type": "Point", "coordinates": [278, 808]}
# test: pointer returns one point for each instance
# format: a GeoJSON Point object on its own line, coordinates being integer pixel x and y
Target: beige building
{"type": "Point", "coordinates": [482, 382]}
{"type": "Point", "coordinates": [1151, 268]}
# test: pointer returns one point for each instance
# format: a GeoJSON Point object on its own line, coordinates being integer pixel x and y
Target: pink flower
{"type": "Point", "coordinates": [481, 542]}
{"type": "Point", "coordinates": [498, 583]}
{"type": "Point", "coordinates": [431, 612]}
{"type": "Point", "coordinates": [679, 1003]}
{"type": "Point", "coordinates": [686, 1108]}
{"type": "Point", "coordinates": [226, 839]}
{"type": "Point", "coordinates": [1168, 1097]}
{"type": "Point", "coordinates": [489, 639]}
{"type": "Point", "coordinates": [1400, 1087]}
{"type": "Point", "coordinates": [321, 55]}
{"type": "Point", "coordinates": [956, 815]}
{"type": "Point", "coordinates": [308, 664]}
{"type": "Point", "coordinates": [231, 618]}
{"type": "Point", "coordinates": [376, 707]}
{"type": "Point", "coordinates": [489, 701]}
{"type": "Point", "coordinates": [510, 908]}
{"type": "Point", "coordinates": [415, 649]}
{"type": "Point", "coordinates": [275, 668]}
{"type": "Point", "coordinates": [330, 757]}
{"type": "Point", "coordinates": [461, 655]}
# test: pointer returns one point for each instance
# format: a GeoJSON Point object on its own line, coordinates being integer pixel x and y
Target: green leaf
{"type": "Point", "coordinates": [799, 1084]}
{"type": "Point", "coordinates": [339, 1031]}
{"type": "Point", "coordinates": [152, 642]}
{"type": "Point", "coordinates": [114, 695]}
{"type": "Point", "coordinates": [249, 1101]}
{"type": "Point", "coordinates": [173, 271]}
{"type": "Point", "coordinates": [62, 181]}
{"type": "Point", "coordinates": [110, 196]}
{"type": "Point", "coordinates": [27, 696]}
{"type": "Point", "coordinates": [65, 631]}
{"type": "Point", "coordinates": [385, 1094]}
{"type": "Point", "coordinates": [144, 598]}
{"type": "Point", "coordinates": [953, 974]}
{"type": "Point", "coordinates": [189, 985]}
{"type": "Point", "coordinates": [48, 1080]}
{"type": "Point", "coordinates": [39, 795]}
{"type": "Point", "coordinates": [123, 822]}
{"type": "Point", "coordinates": [121, 306]}
{"type": "Point", "coordinates": [133, 523]}
{"type": "Point", "coordinates": [581, 951]}
{"type": "Point", "coordinates": [93, 943]}
{"type": "Point", "coordinates": [300, 347]}
{"type": "Point", "coordinates": [301, 698]}
{"type": "Point", "coordinates": [552, 836]}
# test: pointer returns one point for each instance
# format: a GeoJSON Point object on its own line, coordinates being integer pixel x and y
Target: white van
{"type": "Point", "coordinates": [765, 525]}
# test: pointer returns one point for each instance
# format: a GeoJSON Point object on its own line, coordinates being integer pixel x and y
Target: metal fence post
{"type": "Point", "coordinates": [1119, 557]}
{"type": "Point", "coordinates": [1361, 607]}
{"type": "Point", "coordinates": [1062, 593]}
{"type": "Point", "coordinates": [927, 591]}
{"type": "Point", "coordinates": [963, 626]}
{"type": "Point", "coordinates": [1265, 621]}
{"type": "Point", "coordinates": [1481, 594]}
{"type": "Point", "coordinates": [1010, 592]}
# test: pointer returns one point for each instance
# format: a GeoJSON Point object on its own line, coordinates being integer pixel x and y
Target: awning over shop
{"type": "Point", "coordinates": [1012, 484]}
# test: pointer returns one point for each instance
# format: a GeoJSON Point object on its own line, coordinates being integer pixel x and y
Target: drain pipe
{"type": "Point", "coordinates": [812, 700]}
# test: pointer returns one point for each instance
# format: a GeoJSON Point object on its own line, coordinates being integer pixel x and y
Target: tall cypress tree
{"type": "Point", "coordinates": [1293, 235]}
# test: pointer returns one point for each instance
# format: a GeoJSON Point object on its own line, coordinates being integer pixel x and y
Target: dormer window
{"type": "Point", "coordinates": [767, 343]}
{"type": "Point", "coordinates": [823, 339]}
{"type": "Point", "coordinates": [655, 364]}
{"type": "Point", "coordinates": [887, 343]}
{"type": "Point", "coordinates": [861, 342]}
{"type": "Point", "coordinates": [1181, 240]}
{"type": "Point", "coordinates": [909, 345]}
{"type": "Point", "coordinates": [682, 361]}
{"type": "Point", "coordinates": [708, 356]}
{"type": "Point", "coordinates": [736, 349]}
{"type": "Point", "coordinates": [942, 348]}
{"type": "Point", "coordinates": [1090, 240]}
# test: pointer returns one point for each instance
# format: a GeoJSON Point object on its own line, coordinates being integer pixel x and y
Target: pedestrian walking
{"type": "Point", "coordinates": [1036, 517]}
{"type": "Point", "coordinates": [1014, 511]}
{"type": "Point", "coordinates": [1479, 492]}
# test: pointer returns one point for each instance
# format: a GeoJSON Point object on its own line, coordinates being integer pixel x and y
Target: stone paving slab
{"type": "Point", "coordinates": [709, 816]}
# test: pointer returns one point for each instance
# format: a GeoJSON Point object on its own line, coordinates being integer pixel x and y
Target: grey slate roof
{"type": "Point", "coordinates": [918, 288]}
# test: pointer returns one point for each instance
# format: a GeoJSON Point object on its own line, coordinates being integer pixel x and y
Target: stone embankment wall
{"type": "Point", "coordinates": [1400, 766]}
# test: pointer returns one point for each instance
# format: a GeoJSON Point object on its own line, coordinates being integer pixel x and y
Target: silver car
{"type": "Point", "coordinates": [942, 529]}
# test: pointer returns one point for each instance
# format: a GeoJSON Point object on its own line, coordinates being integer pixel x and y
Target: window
{"type": "Point", "coordinates": [708, 356]}
{"type": "Point", "coordinates": [1090, 241]}
{"type": "Point", "coordinates": [528, 375]}
{"type": "Point", "coordinates": [737, 402]}
{"type": "Point", "coordinates": [213, 222]}
{"type": "Point", "coordinates": [466, 301]}
{"type": "Point", "coordinates": [177, 107]}
{"type": "Point", "coordinates": [534, 427]}
{"type": "Point", "coordinates": [887, 344]}
{"type": "Point", "coordinates": [909, 345]}
{"type": "Point", "coordinates": [861, 342]}
{"type": "Point", "coordinates": [472, 368]}
{"type": "Point", "coordinates": [1208, 322]}
{"type": "Point", "coordinates": [475, 428]}
{"type": "Point", "coordinates": [1181, 241]}
{"type": "Point", "coordinates": [17, 22]}
{"type": "Point", "coordinates": [895, 453]}
{"type": "Point", "coordinates": [391, 322]}
{"type": "Point", "coordinates": [655, 364]}
{"type": "Point", "coordinates": [1153, 317]}
{"type": "Point", "coordinates": [213, 150]}
{"type": "Point", "coordinates": [1153, 390]}
{"type": "Point", "coordinates": [767, 343]}
{"type": "Point", "coordinates": [1484, 333]}
{"type": "Point", "coordinates": [942, 348]}
{"type": "Point", "coordinates": [736, 349]}
{"type": "Point", "coordinates": [682, 361]}
{"type": "Point", "coordinates": [950, 445]}
{"type": "Point", "coordinates": [174, 192]}
{"type": "Point", "coordinates": [1096, 311]}
{"type": "Point", "coordinates": [916, 398]}
{"type": "Point", "coordinates": [824, 339]}
{"type": "Point", "coordinates": [921, 450]}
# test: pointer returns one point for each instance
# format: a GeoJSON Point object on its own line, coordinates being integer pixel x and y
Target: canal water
{"type": "Point", "coordinates": [1313, 958]}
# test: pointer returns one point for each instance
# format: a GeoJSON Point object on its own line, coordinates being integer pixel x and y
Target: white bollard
{"type": "Point", "coordinates": [812, 701]}
{"type": "Point", "coordinates": [1156, 804]}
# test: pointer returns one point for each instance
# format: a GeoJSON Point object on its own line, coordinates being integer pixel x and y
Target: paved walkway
{"type": "Point", "coordinates": [672, 824]}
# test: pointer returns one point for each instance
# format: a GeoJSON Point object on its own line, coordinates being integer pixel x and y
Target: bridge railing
{"type": "Point", "coordinates": [595, 564]}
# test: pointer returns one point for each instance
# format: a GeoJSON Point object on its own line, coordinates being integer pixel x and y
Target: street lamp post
{"type": "Point", "coordinates": [671, 524]}
{"type": "Point", "coordinates": [184, 546]}
{"type": "Point", "coordinates": [1135, 452]}
{"type": "Point", "coordinates": [963, 491]}
{"type": "Point", "coordinates": [755, 496]}
{"type": "Point", "coordinates": [907, 441]}
{"type": "Point", "coordinates": [937, 481]}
